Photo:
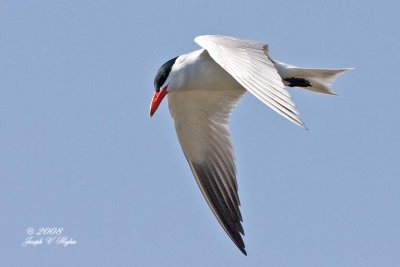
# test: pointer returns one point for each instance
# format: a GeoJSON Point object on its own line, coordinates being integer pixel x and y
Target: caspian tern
{"type": "Point", "coordinates": [203, 87]}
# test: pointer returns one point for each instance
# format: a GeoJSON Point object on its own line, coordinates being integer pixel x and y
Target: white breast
{"type": "Point", "coordinates": [198, 71]}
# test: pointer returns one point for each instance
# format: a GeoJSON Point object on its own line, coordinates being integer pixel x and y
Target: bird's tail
{"type": "Point", "coordinates": [316, 80]}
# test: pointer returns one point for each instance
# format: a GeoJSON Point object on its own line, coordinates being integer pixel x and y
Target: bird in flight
{"type": "Point", "coordinates": [204, 86]}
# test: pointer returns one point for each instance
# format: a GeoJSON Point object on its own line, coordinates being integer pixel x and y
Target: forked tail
{"type": "Point", "coordinates": [316, 80]}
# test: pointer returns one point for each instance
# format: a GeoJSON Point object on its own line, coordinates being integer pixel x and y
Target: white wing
{"type": "Point", "coordinates": [201, 120]}
{"type": "Point", "coordinates": [248, 62]}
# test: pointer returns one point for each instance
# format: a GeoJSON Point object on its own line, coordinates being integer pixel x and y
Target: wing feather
{"type": "Point", "coordinates": [201, 119]}
{"type": "Point", "coordinates": [248, 62]}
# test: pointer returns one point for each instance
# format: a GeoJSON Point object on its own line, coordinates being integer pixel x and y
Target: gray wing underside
{"type": "Point", "coordinates": [201, 121]}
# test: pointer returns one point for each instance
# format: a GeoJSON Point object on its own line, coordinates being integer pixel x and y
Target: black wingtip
{"type": "Point", "coordinates": [240, 244]}
{"type": "Point", "coordinates": [243, 251]}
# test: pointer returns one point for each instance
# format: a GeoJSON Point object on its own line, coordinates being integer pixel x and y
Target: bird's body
{"type": "Point", "coordinates": [198, 71]}
{"type": "Point", "coordinates": [203, 87]}
{"type": "Point", "coordinates": [197, 81]}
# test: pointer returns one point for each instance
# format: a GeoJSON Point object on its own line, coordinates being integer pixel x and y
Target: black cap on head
{"type": "Point", "coordinates": [163, 73]}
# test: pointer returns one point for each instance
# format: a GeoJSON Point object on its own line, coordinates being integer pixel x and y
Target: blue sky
{"type": "Point", "coordinates": [78, 150]}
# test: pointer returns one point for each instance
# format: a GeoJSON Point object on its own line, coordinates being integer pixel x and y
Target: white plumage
{"type": "Point", "coordinates": [204, 86]}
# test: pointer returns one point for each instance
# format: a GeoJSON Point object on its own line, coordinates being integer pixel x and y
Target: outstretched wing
{"type": "Point", "coordinates": [248, 62]}
{"type": "Point", "coordinates": [201, 121]}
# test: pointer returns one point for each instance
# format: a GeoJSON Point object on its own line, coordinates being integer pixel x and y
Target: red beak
{"type": "Point", "coordinates": [156, 101]}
